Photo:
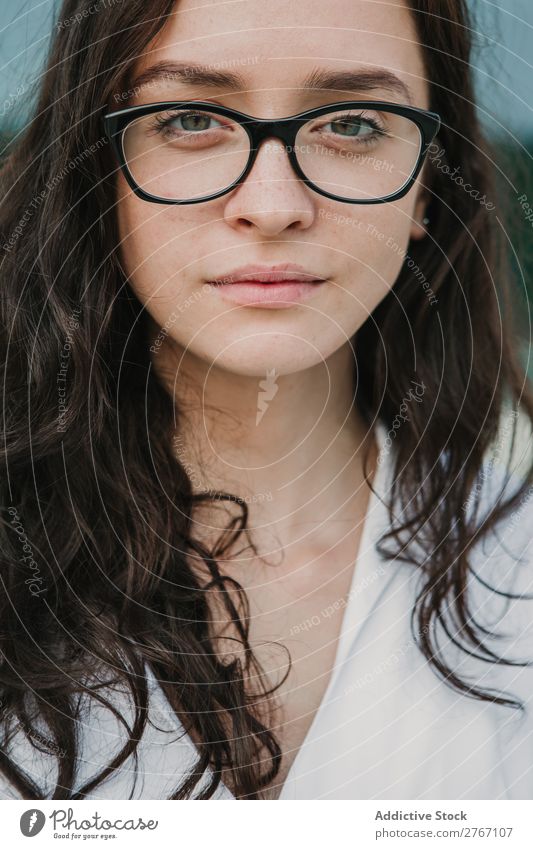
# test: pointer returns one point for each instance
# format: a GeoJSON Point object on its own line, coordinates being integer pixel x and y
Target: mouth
{"type": "Point", "coordinates": [268, 286]}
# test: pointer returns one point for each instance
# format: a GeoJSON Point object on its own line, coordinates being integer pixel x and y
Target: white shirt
{"type": "Point", "coordinates": [387, 727]}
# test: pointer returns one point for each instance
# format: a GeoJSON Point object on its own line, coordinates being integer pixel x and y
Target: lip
{"type": "Point", "coordinates": [271, 287]}
{"type": "Point", "coordinates": [284, 272]}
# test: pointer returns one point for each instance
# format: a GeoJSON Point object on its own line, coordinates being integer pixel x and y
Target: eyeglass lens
{"type": "Point", "coordinates": [186, 154]}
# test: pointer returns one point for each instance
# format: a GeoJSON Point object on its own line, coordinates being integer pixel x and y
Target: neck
{"type": "Point", "coordinates": [291, 445]}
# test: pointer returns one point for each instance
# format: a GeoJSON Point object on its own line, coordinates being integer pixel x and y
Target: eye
{"type": "Point", "coordinates": [355, 126]}
{"type": "Point", "coordinates": [186, 123]}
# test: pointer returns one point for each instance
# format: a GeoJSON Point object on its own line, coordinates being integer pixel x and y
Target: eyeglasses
{"type": "Point", "coordinates": [191, 151]}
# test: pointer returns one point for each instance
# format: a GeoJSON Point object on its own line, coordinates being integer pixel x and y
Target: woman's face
{"type": "Point", "coordinates": [171, 252]}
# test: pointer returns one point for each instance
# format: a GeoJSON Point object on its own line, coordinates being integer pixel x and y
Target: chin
{"type": "Point", "coordinates": [258, 361]}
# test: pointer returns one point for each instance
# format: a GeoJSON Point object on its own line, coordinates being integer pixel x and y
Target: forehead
{"type": "Point", "coordinates": [275, 44]}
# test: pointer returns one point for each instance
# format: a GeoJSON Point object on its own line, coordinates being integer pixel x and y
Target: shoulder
{"type": "Point", "coordinates": [165, 754]}
{"type": "Point", "coordinates": [500, 580]}
{"type": "Point", "coordinates": [496, 592]}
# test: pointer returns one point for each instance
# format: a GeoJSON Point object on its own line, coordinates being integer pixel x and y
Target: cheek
{"type": "Point", "coordinates": [374, 240]}
{"type": "Point", "coordinates": [158, 244]}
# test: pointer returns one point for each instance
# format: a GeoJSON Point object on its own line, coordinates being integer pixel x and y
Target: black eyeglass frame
{"type": "Point", "coordinates": [258, 130]}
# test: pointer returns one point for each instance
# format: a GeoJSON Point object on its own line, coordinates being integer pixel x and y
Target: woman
{"type": "Point", "coordinates": [159, 410]}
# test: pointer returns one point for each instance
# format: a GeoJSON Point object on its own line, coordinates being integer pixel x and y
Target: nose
{"type": "Point", "coordinates": [272, 198]}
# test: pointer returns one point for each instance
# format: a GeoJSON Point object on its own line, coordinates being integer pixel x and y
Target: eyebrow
{"type": "Point", "coordinates": [196, 74]}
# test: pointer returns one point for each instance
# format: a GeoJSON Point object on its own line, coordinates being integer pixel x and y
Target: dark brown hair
{"type": "Point", "coordinates": [105, 507]}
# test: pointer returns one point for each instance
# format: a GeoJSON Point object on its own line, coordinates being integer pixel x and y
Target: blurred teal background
{"type": "Point", "coordinates": [503, 34]}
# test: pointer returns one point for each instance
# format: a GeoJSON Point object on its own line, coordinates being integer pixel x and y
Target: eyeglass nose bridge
{"type": "Point", "coordinates": [284, 130]}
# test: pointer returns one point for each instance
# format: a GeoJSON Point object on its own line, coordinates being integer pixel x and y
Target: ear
{"type": "Point", "coordinates": [418, 229]}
